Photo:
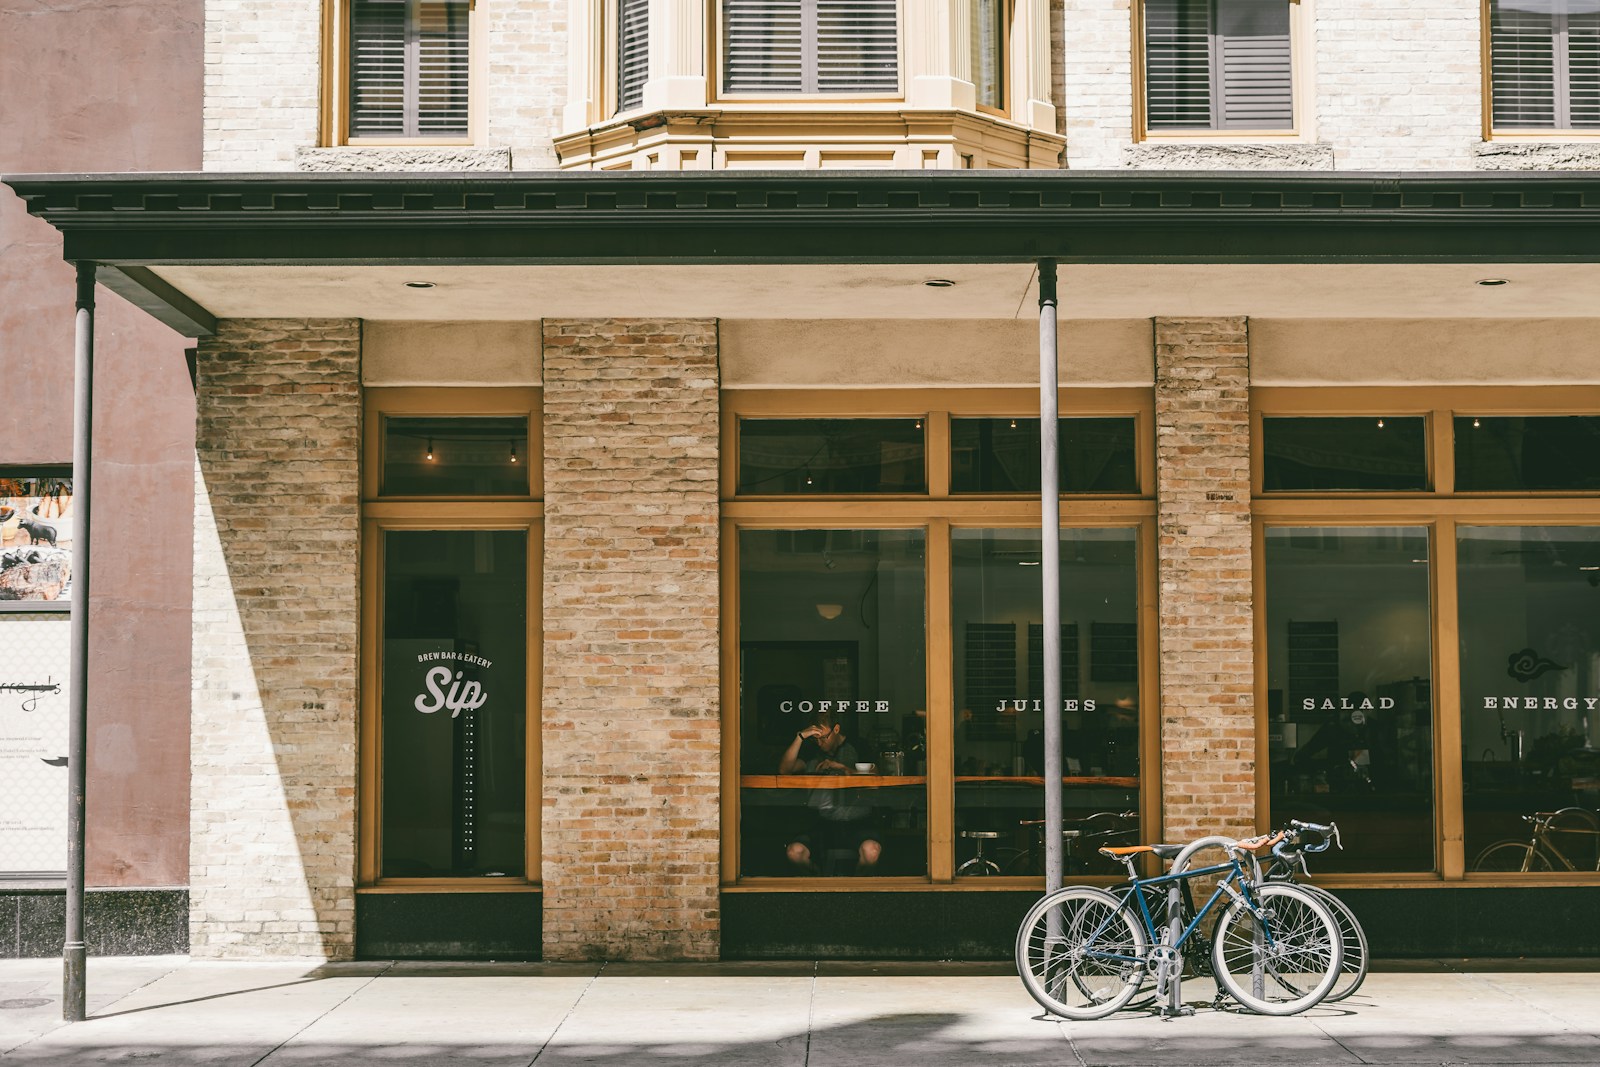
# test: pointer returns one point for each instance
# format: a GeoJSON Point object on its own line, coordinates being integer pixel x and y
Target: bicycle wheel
{"type": "Point", "coordinates": [1353, 969]}
{"type": "Point", "coordinates": [1079, 954]}
{"type": "Point", "coordinates": [1282, 955]}
{"type": "Point", "coordinates": [1511, 856]}
{"type": "Point", "coordinates": [1574, 834]}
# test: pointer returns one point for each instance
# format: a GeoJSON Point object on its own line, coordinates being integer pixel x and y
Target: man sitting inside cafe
{"type": "Point", "coordinates": [842, 819]}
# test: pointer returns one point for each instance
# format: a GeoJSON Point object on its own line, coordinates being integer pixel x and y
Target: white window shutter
{"type": "Point", "coordinates": [1583, 66]}
{"type": "Point", "coordinates": [1523, 60]}
{"type": "Point", "coordinates": [810, 46]}
{"type": "Point", "coordinates": [633, 52]}
{"type": "Point", "coordinates": [1255, 83]}
{"type": "Point", "coordinates": [378, 68]}
{"type": "Point", "coordinates": [1177, 61]}
{"type": "Point", "coordinates": [408, 68]}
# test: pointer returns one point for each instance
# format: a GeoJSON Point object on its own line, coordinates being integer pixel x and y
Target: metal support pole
{"type": "Point", "coordinates": [1050, 572]}
{"type": "Point", "coordinates": [75, 951]}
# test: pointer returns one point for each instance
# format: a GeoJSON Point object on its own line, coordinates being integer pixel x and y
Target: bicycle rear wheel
{"type": "Point", "coordinates": [1282, 955]}
{"type": "Point", "coordinates": [1511, 856]}
{"type": "Point", "coordinates": [1080, 954]}
{"type": "Point", "coordinates": [1353, 969]}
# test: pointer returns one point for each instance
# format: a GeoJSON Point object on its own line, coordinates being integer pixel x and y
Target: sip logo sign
{"type": "Point", "coordinates": [448, 687]}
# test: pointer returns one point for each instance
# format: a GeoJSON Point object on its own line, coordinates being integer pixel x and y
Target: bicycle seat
{"type": "Point", "coordinates": [1165, 852]}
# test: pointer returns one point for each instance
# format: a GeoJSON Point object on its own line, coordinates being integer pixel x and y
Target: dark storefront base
{"type": "Point", "coordinates": [449, 926]}
{"type": "Point", "coordinates": [1423, 922]}
{"type": "Point", "coordinates": [117, 922]}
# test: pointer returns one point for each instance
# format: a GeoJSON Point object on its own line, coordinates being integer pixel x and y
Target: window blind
{"type": "Point", "coordinates": [1545, 63]}
{"type": "Point", "coordinates": [810, 46]}
{"type": "Point", "coordinates": [1218, 64]}
{"type": "Point", "coordinates": [408, 68]}
{"type": "Point", "coordinates": [633, 52]}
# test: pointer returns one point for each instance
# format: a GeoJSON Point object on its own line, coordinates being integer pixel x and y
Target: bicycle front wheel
{"type": "Point", "coordinates": [1511, 856]}
{"type": "Point", "coordinates": [1353, 969]}
{"type": "Point", "coordinates": [1080, 954]}
{"type": "Point", "coordinates": [1278, 954]}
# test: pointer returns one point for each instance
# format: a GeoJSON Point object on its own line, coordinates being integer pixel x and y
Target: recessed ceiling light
{"type": "Point", "coordinates": [1494, 281]}
{"type": "Point", "coordinates": [1589, 568]}
{"type": "Point", "coordinates": [419, 285]}
{"type": "Point", "coordinates": [938, 283]}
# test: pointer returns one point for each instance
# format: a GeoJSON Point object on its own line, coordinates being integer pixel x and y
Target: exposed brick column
{"type": "Point", "coordinates": [1206, 616]}
{"type": "Point", "coordinates": [632, 742]}
{"type": "Point", "coordinates": [276, 605]}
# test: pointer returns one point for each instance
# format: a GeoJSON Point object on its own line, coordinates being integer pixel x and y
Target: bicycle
{"type": "Point", "coordinates": [1581, 830]}
{"type": "Point", "coordinates": [1083, 953]}
{"type": "Point", "coordinates": [1101, 828]}
{"type": "Point", "coordinates": [1353, 968]}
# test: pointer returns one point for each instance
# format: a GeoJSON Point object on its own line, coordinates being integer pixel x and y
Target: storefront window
{"type": "Point", "coordinates": [1530, 696]}
{"type": "Point", "coordinates": [1097, 455]}
{"type": "Point", "coordinates": [463, 456]}
{"type": "Point", "coordinates": [1349, 693]}
{"type": "Point", "coordinates": [1377, 453]}
{"type": "Point", "coordinates": [1551, 452]}
{"type": "Point", "coordinates": [820, 457]}
{"type": "Point", "coordinates": [454, 703]}
{"type": "Point", "coordinates": [832, 703]}
{"type": "Point", "coordinates": [998, 636]}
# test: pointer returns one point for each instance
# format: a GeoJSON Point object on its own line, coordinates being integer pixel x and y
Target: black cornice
{"type": "Point", "coordinates": [789, 217]}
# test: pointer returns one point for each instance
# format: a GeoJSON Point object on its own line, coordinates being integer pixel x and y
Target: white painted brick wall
{"type": "Point", "coordinates": [1097, 82]}
{"type": "Point", "coordinates": [261, 82]}
{"type": "Point", "coordinates": [525, 86]}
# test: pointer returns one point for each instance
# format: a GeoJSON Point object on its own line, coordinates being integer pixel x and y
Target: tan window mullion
{"type": "Point", "coordinates": [940, 732]}
{"type": "Point", "coordinates": [1449, 800]}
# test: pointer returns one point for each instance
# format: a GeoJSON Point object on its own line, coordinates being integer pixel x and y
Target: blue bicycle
{"type": "Point", "coordinates": [1084, 953]}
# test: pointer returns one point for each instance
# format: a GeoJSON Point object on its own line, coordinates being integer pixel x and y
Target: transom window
{"type": "Point", "coordinates": [1218, 65]}
{"type": "Point", "coordinates": [810, 46]}
{"type": "Point", "coordinates": [1545, 63]}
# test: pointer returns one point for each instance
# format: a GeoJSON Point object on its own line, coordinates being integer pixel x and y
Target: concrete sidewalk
{"type": "Point", "coordinates": [167, 1010]}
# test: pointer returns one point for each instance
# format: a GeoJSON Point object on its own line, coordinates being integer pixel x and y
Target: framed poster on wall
{"type": "Point", "coordinates": [34, 654]}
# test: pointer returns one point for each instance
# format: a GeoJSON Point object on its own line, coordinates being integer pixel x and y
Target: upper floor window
{"type": "Point", "coordinates": [1218, 65]}
{"type": "Point", "coordinates": [633, 52]}
{"type": "Point", "coordinates": [810, 46]}
{"type": "Point", "coordinates": [988, 51]}
{"type": "Point", "coordinates": [1545, 63]}
{"type": "Point", "coordinates": [408, 68]}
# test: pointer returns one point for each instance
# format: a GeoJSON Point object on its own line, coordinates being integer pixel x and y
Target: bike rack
{"type": "Point", "coordinates": [1173, 1007]}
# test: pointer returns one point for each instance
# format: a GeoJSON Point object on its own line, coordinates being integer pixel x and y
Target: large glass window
{"type": "Point", "coordinates": [1349, 690]}
{"type": "Point", "coordinates": [455, 456]}
{"type": "Point", "coordinates": [998, 643]}
{"type": "Point", "coordinates": [1530, 696]}
{"type": "Point", "coordinates": [454, 703]}
{"type": "Point", "coordinates": [832, 702]}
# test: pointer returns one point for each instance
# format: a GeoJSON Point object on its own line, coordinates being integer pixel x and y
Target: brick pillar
{"type": "Point", "coordinates": [1206, 616]}
{"type": "Point", "coordinates": [632, 743]}
{"type": "Point", "coordinates": [276, 604]}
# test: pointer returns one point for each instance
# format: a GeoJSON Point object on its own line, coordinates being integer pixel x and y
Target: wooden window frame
{"type": "Point", "coordinates": [795, 100]}
{"type": "Point", "coordinates": [936, 512]}
{"type": "Point", "coordinates": [381, 514]}
{"type": "Point", "coordinates": [334, 107]}
{"type": "Point", "coordinates": [1301, 58]}
{"type": "Point", "coordinates": [1491, 132]}
{"type": "Point", "coordinates": [1441, 511]}
{"type": "Point", "coordinates": [1008, 63]}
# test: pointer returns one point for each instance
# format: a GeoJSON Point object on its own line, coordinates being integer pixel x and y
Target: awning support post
{"type": "Point", "coordinates": [1050, 572]}
{"type": "Point", "coordinates": [75, 951]}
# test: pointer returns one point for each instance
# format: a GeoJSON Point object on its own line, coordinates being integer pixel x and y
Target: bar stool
{"type": "Point", "coordinates": [977, 865]}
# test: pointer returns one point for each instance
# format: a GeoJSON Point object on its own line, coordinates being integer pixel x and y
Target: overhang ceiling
{"type": "Point", "coordinates": [891, 291]}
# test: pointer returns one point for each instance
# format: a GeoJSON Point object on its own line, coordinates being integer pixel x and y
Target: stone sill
{"type": "Point", "coordinates": [365, 158]}
{"type": "Point", "coordinates": [1206, 155]}
{"type": "Point", "coordinates": [1537, 155]}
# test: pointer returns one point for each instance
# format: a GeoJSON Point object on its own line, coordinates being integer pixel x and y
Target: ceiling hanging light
{"type": "Point", "coordinates": [513, 451]}
{"type": "Point", "coordinates": [430, 448]}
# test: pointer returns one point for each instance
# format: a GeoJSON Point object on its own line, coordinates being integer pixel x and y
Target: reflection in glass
{"type": "Point", "coordinates": [828, 456]}
{"type": "Point", "coordinates": [1530, 694]}
{"type": "Point", "coordinates": [998, 639]}
{"type": "Point", "coordinates": [832, 647]}
{"type": "Point", "coordinates": [1002, 455]}
{"type": "Point", "coordinates": [1349, 693]}
{"type": "Point", "coordinates": [1374, 453]}
{"type": "Point", "coordinates": [988, 42]}
{"type": "Point", "coordinates": [473, 456]}
{"type": "Point", "coordinates": [1551, 452]}
{"type": "Point", "coordinates": [454, 696]}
